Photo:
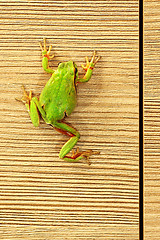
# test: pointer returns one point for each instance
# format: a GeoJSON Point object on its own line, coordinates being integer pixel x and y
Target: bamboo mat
{"type": "Point", "coordinates": [152, 120]}
{"type": "Point", "coordinates": [41, 196]}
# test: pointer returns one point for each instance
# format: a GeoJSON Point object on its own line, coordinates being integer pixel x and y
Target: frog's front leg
{"type": "Point", "coordinates": [46, 56]}
{"type": "Point", "coordinates": [89, 68]}
{"type": "Point", "coordinates": [68, 146]}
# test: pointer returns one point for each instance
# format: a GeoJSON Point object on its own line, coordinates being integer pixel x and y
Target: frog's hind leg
{"type": "Point", "coordinates": [26, 98]}
{"type": "Point", "coordinates": [33, 106]}
{"type": "Point", "coordinates": [68, 146]}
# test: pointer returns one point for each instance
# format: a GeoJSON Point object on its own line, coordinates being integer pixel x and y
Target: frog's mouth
{"type": "Point", "coordinates": [75, 71]}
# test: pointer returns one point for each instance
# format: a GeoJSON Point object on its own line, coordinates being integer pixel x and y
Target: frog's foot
{"type": "Point", "coordinates": [87, 154]}
{"type": "Point", "coordinates": [25, 98]}
{"type": "Point", "coordinates": [46, 53]}
{"type": "Point", "coordinates": [76, 155]}
{"type": "Point", "coordinates": [92, 63]}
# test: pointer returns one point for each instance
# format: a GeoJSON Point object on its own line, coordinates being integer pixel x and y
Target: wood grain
{"type": "Point", "coordinates": [43, 197]}
{"type": "Point", "coordinates": [152, 119]}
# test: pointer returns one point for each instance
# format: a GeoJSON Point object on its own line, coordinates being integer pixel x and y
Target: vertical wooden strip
{"type": "Point", "coordinates": [151, 119]}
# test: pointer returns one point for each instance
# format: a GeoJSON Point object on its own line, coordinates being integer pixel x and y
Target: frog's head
{"type": "Point", "coordinates": [70, 68]}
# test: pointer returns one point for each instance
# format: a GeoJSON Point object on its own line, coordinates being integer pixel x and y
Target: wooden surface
{"type": "Point", "coordinates": [152, 119]}
{"type": "Point", "coordinates": [41, 196]}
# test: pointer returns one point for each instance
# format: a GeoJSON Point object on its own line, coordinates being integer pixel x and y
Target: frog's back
{"type": "Point", "coordinates": [58, 97]}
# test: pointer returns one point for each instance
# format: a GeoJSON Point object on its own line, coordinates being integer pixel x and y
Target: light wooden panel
{"type": "Point", "coordinates": [43, 197]}
{"type": "Point", "coordinates": [152, 119]}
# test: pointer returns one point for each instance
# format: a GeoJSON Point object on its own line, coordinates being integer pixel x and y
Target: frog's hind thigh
{"type": "Point", "coordinates": [68, 146]}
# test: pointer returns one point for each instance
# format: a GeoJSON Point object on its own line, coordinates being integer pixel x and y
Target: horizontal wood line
{"type": "Point", "coordinates": [151, 154]}
{"type": "Point", "coordinates": [32, 190]}
{"type": "Point", "coordinates": [118, 28]}
{"type": "Point", "coordinates": [110, 163]}
{"type": "Point", "coordinates": [72, 224]}
{"type": "Point", "coordinates": [53, 146]}
{"type": "Point", "coordinates": [82, 21]}
{"type": "Point", "coordinates": [85, 17]}
{"type": "Point", "coordinates": [127, 153]}
{"type": "Point", "coordinates": [58, 194]}
{"type": "Point", "coordinates": [50, 151]}
{"type": "Point", "coordinates": [62, 24]}
{"type": "Point", "coordinates": [81, 18]}
{"type": "Point", "coordinates": [95, 112]}
{"type": "Point", "coordinates": [82, 207]}
{"type": "Point", "coordinates": [127, 65]}
{"type": "Point", "coordinates": [91, 128]}
{"type": "Point", "coordinates": [98, 131]}
{"type": "Point", "coordinates": [54, 159]}
{"type": "Point", "coordinates": [78, 32]}
{"type": "Point", "coordinates": [69, 211]}
{"type": "Point", "coordinates": [112, 187]}
{"type": "Point", "coordinates": [68, 10]}
{"type": "Point", "coordinates": [89, 112]}
{"type": "Point", "coordinates": [79, 177]}
{"type": "Point", "coordinates": [96, 134]}
{"type": "Point", "coordinates": [80, 236]}
{"type": "Point", "coordinates": [38, 201]}
{"type": "Point", "coordinates": [83, 180]}
{"type": "Point", "coordinates": [68, 218]}
{"type": "Point", "coordinates": [117, 49]}
{"type": "Point", "coordinates": [70, 4]}
{"type": "Point", "coordinates": [99, 140]}
{"type": "Point", "coordinates": [45, 166]}
{"type": "Point", "coordinates": [92, 11]}
{"type": "Point", "coordinates": [99, 40]}
{"type": "Point", "coordinates": [75, 34]}
{"type": "Point", "coordinates": [113, 190]}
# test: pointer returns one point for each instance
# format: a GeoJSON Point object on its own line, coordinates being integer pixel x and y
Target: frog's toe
{"type": "Point", "coordinates": [92, 63]}
{"type": "Point", "coordinates": [40, 44]}
{"type": "Point", "coordinates": [43, 48]}
{"type": "Point", "coordinates": [25, 98]}
{"type": "Point", "coordinates": [87, 64]}
{"type": "Point", "coordinates": [87, 154]}
{"type": "Point", "coordinates": [49, 51]}
{"type": "Point", "coordinates": [46, 53]}
{"type": "Point", "coordinates": [84, 155]}
{"type": "Point", "coordinates": [94, 60]}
